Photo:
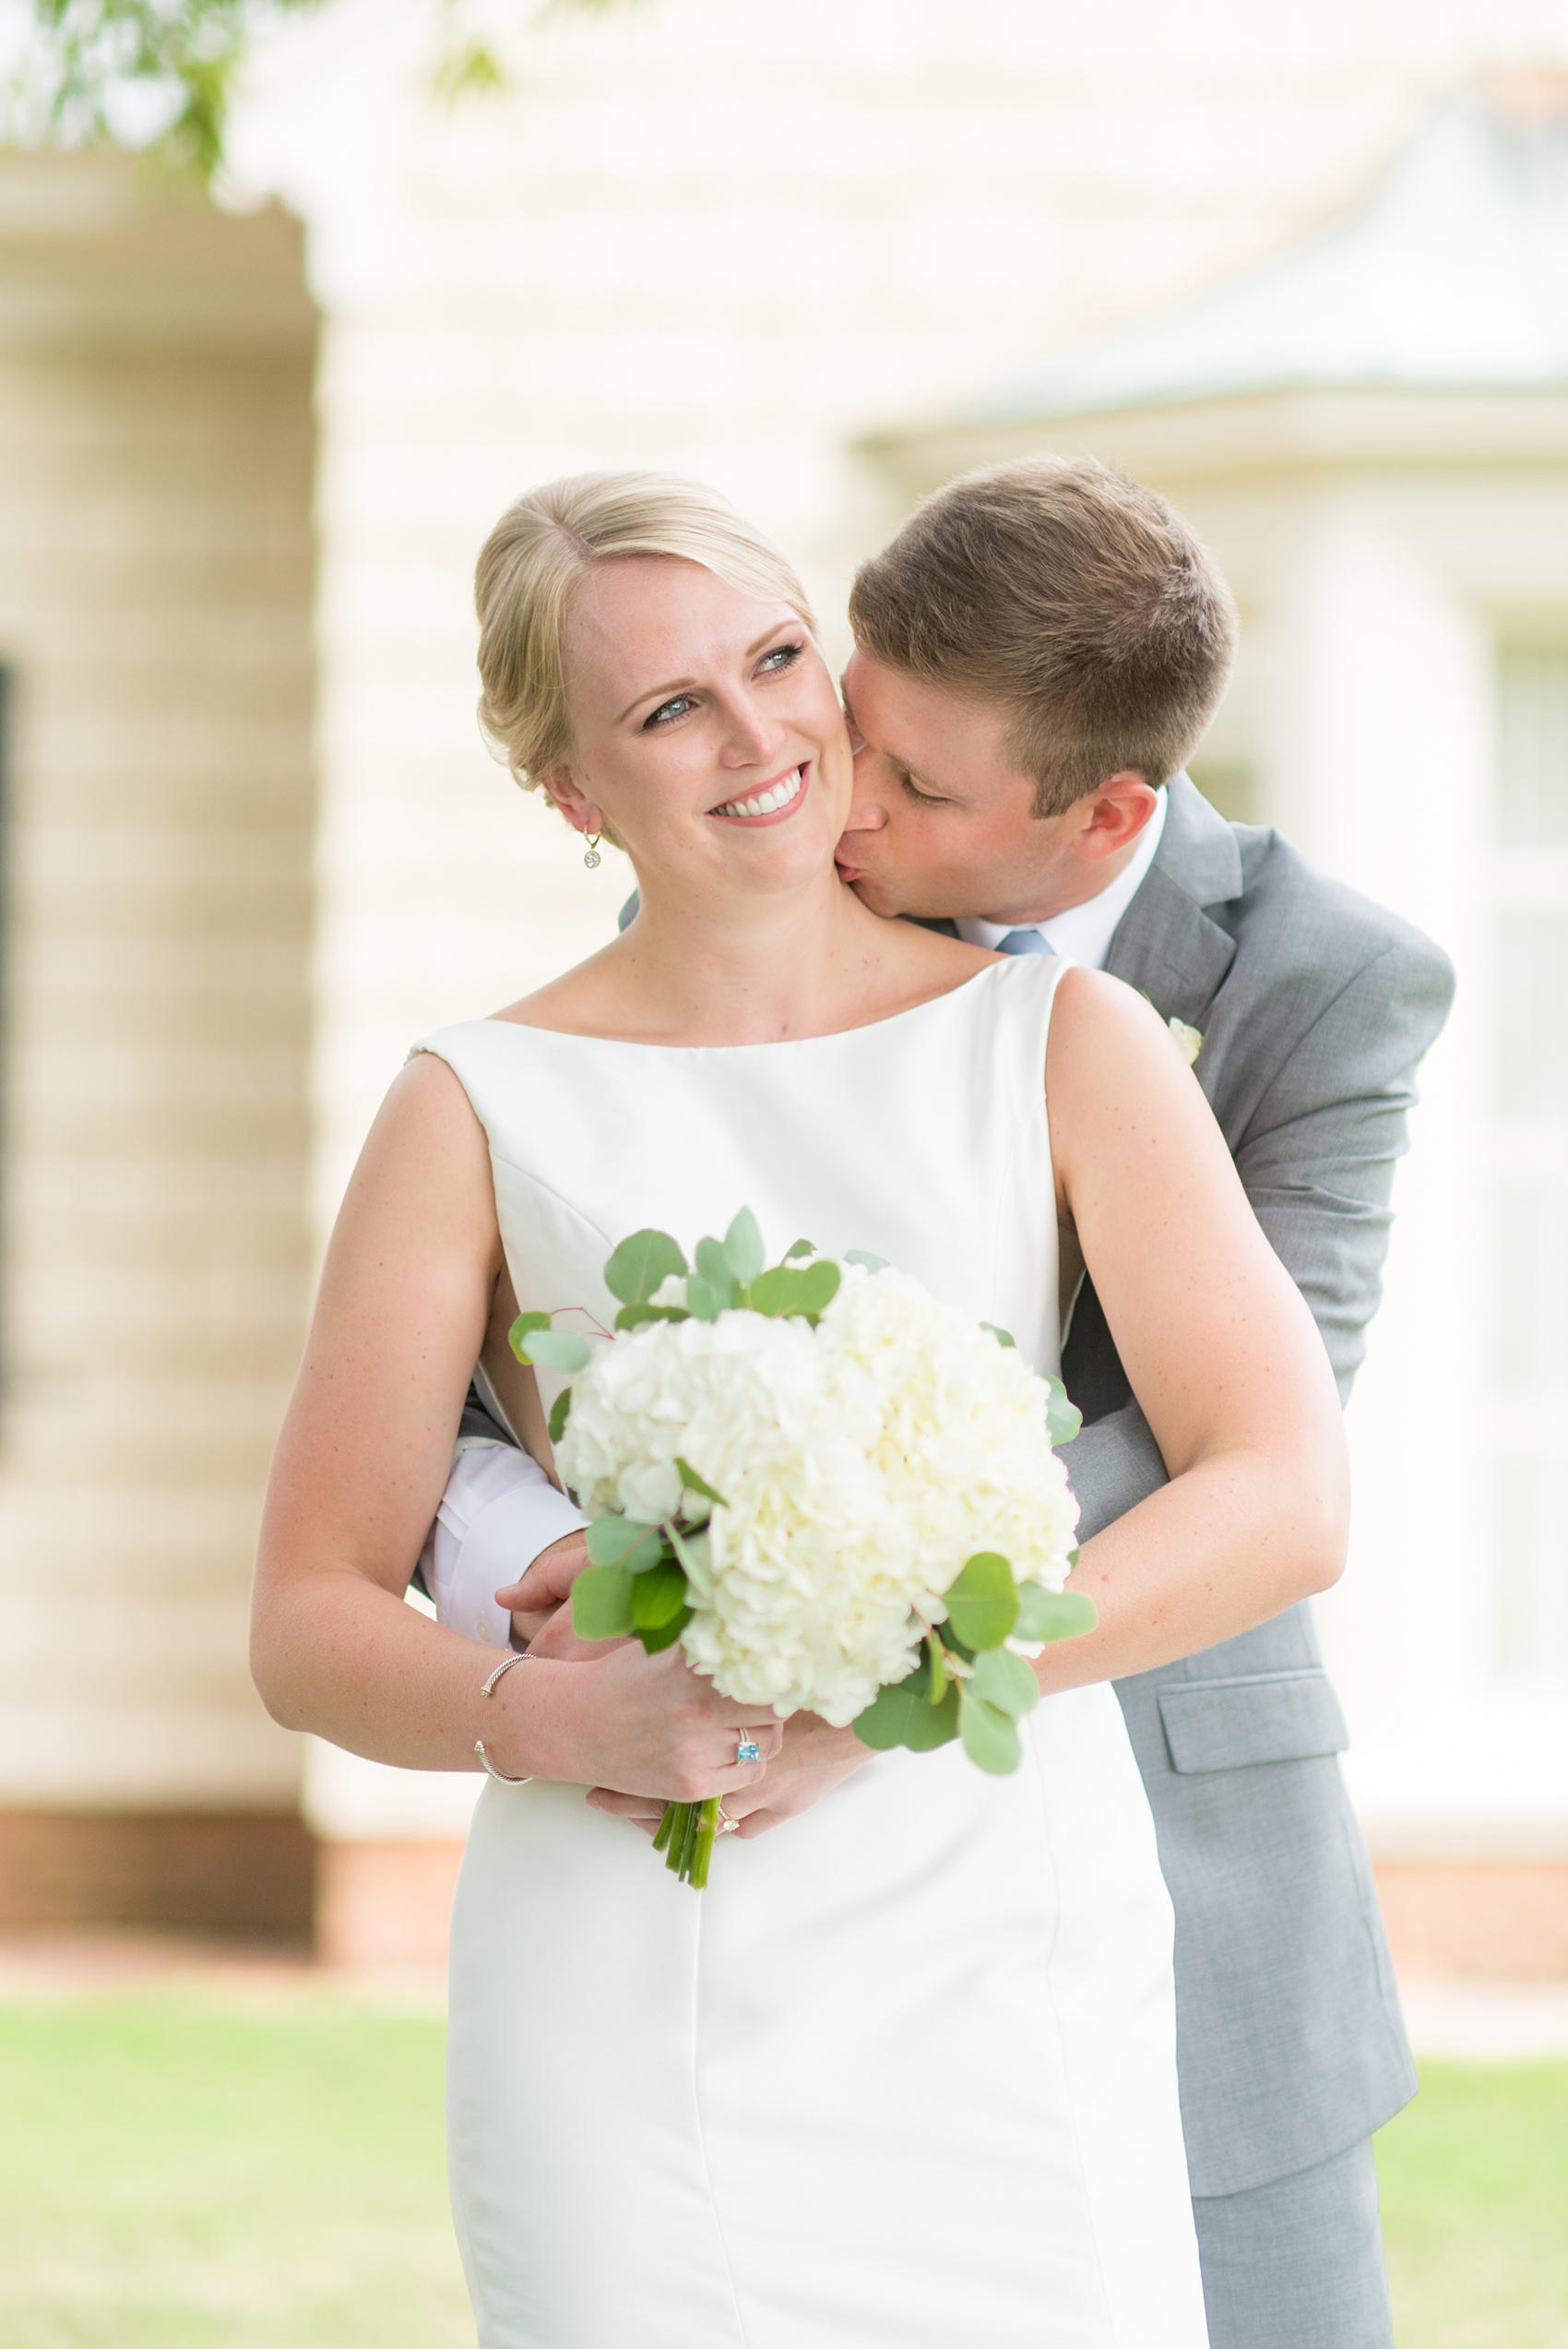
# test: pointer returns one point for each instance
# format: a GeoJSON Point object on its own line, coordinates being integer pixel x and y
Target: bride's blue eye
{"type": "Point", "coordinates": [676, 705]}
{"type": "Point", "coordinates": [782, 657]}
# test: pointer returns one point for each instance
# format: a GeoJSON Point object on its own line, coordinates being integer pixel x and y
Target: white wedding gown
{"type": "Point", "coordinates": [904, 2076]}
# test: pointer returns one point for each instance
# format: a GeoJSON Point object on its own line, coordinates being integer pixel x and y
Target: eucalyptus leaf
{"type": "Point", "coordinates": [560, 1412]}
{"type": "Point", "coordinates": [703, 1302]}
{"type": "Point", "coordinates": [714, 1267]}
{"type": "Point", "coordinates": [658, 1596]}
{"type": "Point", "coordinates": [612, 1540]}
{"type": "Point", "coordinates": [863, 1256]}
{"type": "Point", "coordinates": [1063, 1419]}
{"type": "Point", "coordinates": [991, 1739]}
{"type": "Point", "coordinates": [632, 1317]}
{"type": "Point", "coordinates": [743, 1248]}
{"type": "Point", "coordinates": [983, 1602]}
{"type": "Point", "coordinates": [524, 1323]}
{"type": "Point", "coordinates": [648, 1552]}
{"type": "Point", "coordinates": [601, 1603]}
{"type": "Point", "coordinates": [1054, 1614]}
{"type": "Point", "coordinates": [560, 1350]}
{"type": "Point", "coordinates": [786, 1292]}
{"type": "Point", "coordinates": [639, 1265]}
{"type": "Point", "coordinates": [693, 1551]}
{"type": "Point", "coordinates": [695, 1483]}
{"type": "Point", "coordinates": [1005, 1680]}
{"type": "Point", "coordinates": [936, 1680]}
{"type": "Point", "coordinates": [1002, 1337]}
{"type": "Point", "coordinates": [666, 1634]}
{"type": "Point", "coordinates": [799, 1247]}
{"type": "Point", "coordinates": [903, 1715]}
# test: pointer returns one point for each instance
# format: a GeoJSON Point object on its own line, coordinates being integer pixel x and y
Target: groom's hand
{"type": "Point", "coordinates": [544, 1594]}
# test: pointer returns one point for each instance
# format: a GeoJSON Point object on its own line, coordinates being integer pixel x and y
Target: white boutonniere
{"type": "Point", "coordinates": [1189, 1041]}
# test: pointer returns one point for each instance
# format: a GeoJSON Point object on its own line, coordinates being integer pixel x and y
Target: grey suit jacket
{"type": "Point", "coordinates": [1315, 1007]}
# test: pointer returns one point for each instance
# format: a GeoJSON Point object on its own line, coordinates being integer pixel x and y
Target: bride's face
{"type": "Point", "coordinates": [706, 732]}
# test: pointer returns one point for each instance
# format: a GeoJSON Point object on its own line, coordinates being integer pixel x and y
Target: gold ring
{"type": "Point", "coordinates": [725, 1824]}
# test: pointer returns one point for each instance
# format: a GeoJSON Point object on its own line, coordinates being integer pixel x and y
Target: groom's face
{"type": "Point", "coordinates": [943, 822]}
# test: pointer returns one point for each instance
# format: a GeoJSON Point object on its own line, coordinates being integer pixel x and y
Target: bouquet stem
{"type": "Point", "coordinates": [685, 1837]}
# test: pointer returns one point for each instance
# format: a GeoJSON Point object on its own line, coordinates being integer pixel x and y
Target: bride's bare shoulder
{"type": "Point", "coordinates": [577, 1003]}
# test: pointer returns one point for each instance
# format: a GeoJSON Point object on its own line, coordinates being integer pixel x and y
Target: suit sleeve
{"type": "Point", "coordinates": [1317, 1161]}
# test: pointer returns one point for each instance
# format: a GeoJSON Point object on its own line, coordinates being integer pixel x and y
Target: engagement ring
{"type": "Point", "coordinates": [725, 1824]}
{"type": "Point", "coordinates": [747, 1751]}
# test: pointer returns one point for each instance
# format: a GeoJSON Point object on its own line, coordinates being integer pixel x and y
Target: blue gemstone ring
{"type": "Point", "coordinates": [747, 1751]}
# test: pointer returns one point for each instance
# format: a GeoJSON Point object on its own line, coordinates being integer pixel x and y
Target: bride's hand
{"type": "Point", "coordinates": [810, 1761]}
{"type": "Point", "coordinates": [648, 1726]}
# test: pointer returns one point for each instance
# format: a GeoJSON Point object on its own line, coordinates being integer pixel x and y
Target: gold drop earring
{"type": "Point", "coordinates": [590, 854]}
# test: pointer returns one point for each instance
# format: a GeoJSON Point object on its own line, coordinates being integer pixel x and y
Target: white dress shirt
{"type": "Point", "coordinates": [499, 1510]}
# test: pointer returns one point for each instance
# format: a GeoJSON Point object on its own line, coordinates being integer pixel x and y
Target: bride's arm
{"type": "Point", "coordinates": [405, 1301]}
{"type": "Point", "coordinates": [1219, 1346]}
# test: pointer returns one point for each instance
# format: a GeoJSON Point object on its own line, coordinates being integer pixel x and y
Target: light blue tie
{"type": "Point", "coordinates": [1023, 942]}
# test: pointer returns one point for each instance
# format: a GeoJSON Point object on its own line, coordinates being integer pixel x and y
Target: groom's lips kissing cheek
{"type": "Point", "coordinates": [771, 802]}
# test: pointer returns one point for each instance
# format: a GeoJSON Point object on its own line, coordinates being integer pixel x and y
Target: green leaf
{"type": "Point", "coordinates": [1063, 1419]}
{"type": "Point", "coordinates": [520, 1328]}
{"type": "Point", "coordinates": [1002, 1337]}
{"type": "Point", "coordinates": [639, 1265]}
{"type": "Point", "coordinates": [991, 1740]}
{"type": "Point", "coordinates": [554, 1349]}
{"type": "Point", "coordinates": [785, 1293]}
{"type": "Point", "coordinates": [1006, 1681]}
{"type": "Point", "coordinates": [743, 1248]}
{"type": "Point", "coordinates": [601, 1603]}
{"type": "Point", "coordinates": [714, 1267]}
{"type": "Point", "coordinates": [632, 1317]}
{"type": "Point", "coordinates": [695, 1483]}
{"type": "Point", "coordinates": [703, 1302]}
{"type": "Point", "coordinates": [1053, 1615]}
{"type": "Point", "coordinates": [936, 1682]}
{"type": "Point", "coordinates": [666, 1634]}
{"type": "Point", "coordinates": [902, 1714]}
{"type": "Point", "coordinates": [864, 1257]}
{"type": "Point", "coordinates": [983, 1602]}
{"type": "Point", "coordinates": [658, 1596]}
{"type": "Point", "coordinates": [560, 1412]}
{"type": "Point", "coordinates": [612, 1540]}
{"type": "Point", "coordinates": [801, 1247]}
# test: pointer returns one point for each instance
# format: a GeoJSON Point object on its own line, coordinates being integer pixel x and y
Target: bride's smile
{"type": "Point", "coordinates": [774, 803]}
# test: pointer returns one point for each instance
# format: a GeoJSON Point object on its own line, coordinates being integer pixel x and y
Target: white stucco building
{"type": "Point", "coordinates": [767, 250]}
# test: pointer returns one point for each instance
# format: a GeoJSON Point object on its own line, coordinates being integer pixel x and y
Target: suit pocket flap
{"type": "Point", "coordinates": [1259, 1717]}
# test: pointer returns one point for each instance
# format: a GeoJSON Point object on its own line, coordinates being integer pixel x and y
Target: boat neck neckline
{"type": "Point", "coordinates": [776, 1043]}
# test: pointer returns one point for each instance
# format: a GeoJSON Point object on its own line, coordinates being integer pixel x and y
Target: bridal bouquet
{"type": "Point", "coordinates": [838, 1494]}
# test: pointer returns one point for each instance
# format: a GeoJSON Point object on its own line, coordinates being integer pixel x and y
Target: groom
{"type": "Point", "coordinates": [1027, 650]}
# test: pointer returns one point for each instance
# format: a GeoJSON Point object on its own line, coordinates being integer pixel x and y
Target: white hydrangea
{"type": "Point", "coordinates": [861, 1464]}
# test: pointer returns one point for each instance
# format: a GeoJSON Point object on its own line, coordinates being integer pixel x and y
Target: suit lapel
{"type": "Point", "coordinates": [1165, 943]}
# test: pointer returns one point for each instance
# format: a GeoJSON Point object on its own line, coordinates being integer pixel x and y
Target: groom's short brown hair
{"type": "Point", "coordinates": [1076, 598]}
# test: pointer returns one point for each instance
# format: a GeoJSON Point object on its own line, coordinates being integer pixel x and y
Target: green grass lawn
{"type": "Point", "coordinates": [177, 2174]}
{"type": "Point", "coordinates": [1474, 2179]}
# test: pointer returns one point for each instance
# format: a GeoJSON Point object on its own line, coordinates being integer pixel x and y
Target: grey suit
{"type": "Point", "coordinates": [1316, 1007]}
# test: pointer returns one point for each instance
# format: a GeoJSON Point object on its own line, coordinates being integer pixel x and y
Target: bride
{"type": "Point", "coordinates": [905, 2073]}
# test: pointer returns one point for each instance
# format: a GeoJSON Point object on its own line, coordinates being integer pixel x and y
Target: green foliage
{"type": "Point", "coordinates": [1053, 1615]}
{"type": "Point", "coordinates": [1006, 1681]}
{"type": "Point", "coordinates": [1002, 1337]}
{"type": "Point", "coordinates": [640, 1264]}
{"type": "Point", "coordinates": [560, 1412]}
{"type": "Point", "coordinates": [695, 1483]}
{"type": "Point", "coordinates": [657, 1598]}
{"type": "Point", "coordinates": [864, 1257]}
{"type": "Point", "coordinates": [83, 56]}
{"type": "Point", "coordinates": [601, 1603]}
{"type": "Point", "coordinates": [560, 1350]}
{"type": "Point", "coordinates": [990, 1735]}
{"type": "Point", "coordinates": [522, 1329]}
{"type": "Point", "coordinates": [903, 1715]}
{"type": "Point", "coordinates": [612, 1540]}
{"type": "Point", "coordinates": [1063, 1419]}
{"type": "Point", "coordinates": [787, 1292]}
{"type": "Point", "coordinates": [982, 1601]}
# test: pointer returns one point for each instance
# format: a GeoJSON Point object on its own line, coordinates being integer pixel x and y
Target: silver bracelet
{"type": "Point", "coordinates": [504, 1666]}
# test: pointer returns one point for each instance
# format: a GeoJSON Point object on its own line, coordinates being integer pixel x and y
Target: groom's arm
{"type": "Point", "coordinates": [1317, 1161]}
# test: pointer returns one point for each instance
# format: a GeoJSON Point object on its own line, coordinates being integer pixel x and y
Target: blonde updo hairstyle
{"type": "Point", "coordinates": [545, 545]}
